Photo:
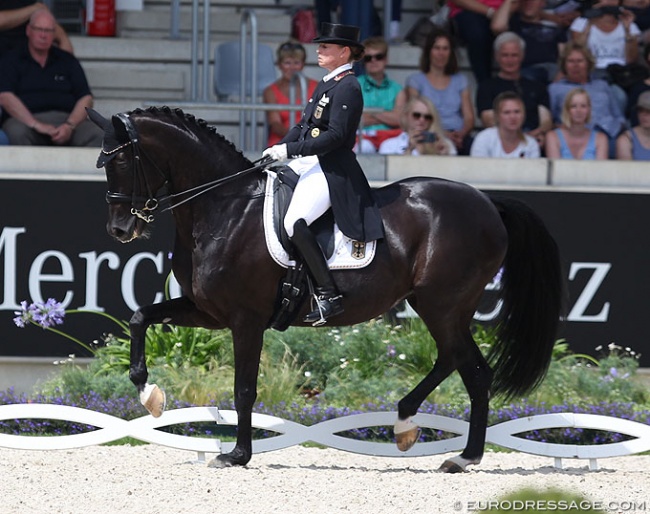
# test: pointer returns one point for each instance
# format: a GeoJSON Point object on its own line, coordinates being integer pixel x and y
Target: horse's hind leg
{"type": "Point", "coordinates": [179, 311]}
{"type": "Point", "coordinates": [477, 377]}
{"type": "Point", "coordinates": [456, 350]}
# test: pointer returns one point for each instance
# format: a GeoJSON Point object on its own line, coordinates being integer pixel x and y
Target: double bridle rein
{"type": "Point", "coordinates": [152, 201]}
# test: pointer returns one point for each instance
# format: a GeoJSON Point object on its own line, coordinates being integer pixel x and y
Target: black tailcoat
{"type": "Point", "coordinates": [328, 130]}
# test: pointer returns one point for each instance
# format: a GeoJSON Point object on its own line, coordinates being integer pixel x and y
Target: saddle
{"type": "Point", "coordinates": [340, 251]}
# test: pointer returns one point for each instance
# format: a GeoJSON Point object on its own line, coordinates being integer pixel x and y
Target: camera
{"type": "Point", "coordinates": [587, 9]}
{"type": "Point", "coordinates": [428, 137]}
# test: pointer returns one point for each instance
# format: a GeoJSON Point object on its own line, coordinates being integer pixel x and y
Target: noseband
{"type": "Point", "coordinates": [152, 200]}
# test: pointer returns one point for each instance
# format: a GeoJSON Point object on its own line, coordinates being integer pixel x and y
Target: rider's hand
{"type": "Point", "coordinates": [277, 152]}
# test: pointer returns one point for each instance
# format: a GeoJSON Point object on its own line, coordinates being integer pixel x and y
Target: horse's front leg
{"type": "Point", "coordinates": [179, 311]}
{"type": "Point", "coordinates": [247, 341]}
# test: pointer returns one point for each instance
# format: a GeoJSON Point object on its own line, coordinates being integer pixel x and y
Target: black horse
{"type": "Point", "coordinates": [444, 242]}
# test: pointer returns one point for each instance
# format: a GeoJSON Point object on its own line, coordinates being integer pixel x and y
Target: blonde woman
{"type": "Point", "coordinates": [574, 139]}
{"type": "Point", "coordinates": [291, 57]}
{"type": "Point", "coordinates": [422, 132]}
{"type": "Point", "coordinates": [506, 139]}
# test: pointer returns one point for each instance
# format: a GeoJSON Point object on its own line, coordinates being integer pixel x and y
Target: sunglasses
{"type": "Point", "coordinates": [418, 115]}
{"type": "Point", "coordinates": [376, 57]}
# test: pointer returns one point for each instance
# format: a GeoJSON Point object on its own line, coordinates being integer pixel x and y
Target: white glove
{"type": "Point", "coordinates": [277, 152]}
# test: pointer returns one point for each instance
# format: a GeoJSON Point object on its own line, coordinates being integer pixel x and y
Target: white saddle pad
{"type": "Point", "coordinates": [348, 254]}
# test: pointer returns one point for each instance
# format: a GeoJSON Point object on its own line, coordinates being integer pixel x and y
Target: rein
{"type": "Point", "coordinates": [152, 201]}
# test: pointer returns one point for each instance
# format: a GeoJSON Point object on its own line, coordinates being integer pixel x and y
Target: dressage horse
{"type": "Point", "coordinates": [444, 241]}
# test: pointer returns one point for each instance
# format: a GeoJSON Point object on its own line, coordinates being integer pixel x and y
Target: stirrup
{"type": "Point", "coordinates": [326, 307]}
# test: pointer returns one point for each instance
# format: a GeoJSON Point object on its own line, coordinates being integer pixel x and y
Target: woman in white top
{"type": "Point", "coordinates": [506, 139]}
{"type": "Point", "coordinates": [422, 132]}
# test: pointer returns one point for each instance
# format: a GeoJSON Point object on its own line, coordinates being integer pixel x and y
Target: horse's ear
{"type": "Point", "coordinates": [120, 130]}
{"type": "Point", "coordinates": [98, 119]}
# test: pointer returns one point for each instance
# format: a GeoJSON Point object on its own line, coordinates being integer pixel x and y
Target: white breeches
{"type": "Point", "coordinates": [311, 198]}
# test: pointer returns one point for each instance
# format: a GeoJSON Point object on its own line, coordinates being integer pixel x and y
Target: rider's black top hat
{"type": "Point", "coordinates": [346, 35]}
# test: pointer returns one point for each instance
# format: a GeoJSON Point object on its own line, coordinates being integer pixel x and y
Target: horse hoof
{"type": "Point", "coordinates": [451, 467]}
{"type": "Point", "coordinates": [154, 400]}
{"type": "Point", "coordinates": [227, 460]}
{"type": "Point", "coordinates": [219, 463]}
{"type": "Point", "coordinates": [406, 440]}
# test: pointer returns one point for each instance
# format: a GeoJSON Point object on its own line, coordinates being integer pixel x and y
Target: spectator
{"type": "Point", "coordinates": [574, 139]}
{"type": "Point", "coordinates": [14, 15]}
{"type": "Point", "coordinates": [543, 40]}
{"type": "Point", "coordinates": [422, 133]}
{"type": "Point", "coordinates": [44, 92]}
{"type": "Point", "coordinates": [576, 63]}
{"type": "Point", "coordinates": [509, 51]}
{"type": "Point", "coordinates": [611, 35]}
{"type": "Point", "coordinates": [631, 112]}
{"type": "Point", "coordinates": [380, 92]}
{"type": "Point", "coordinates": [291, 57]}
{"type": "Point", "coordinates": [440, 82]}
{"type": "Point", "coordinates": [634, 144]}
{"type": "Point", "coordinates": [471, 20]}
{"type": "Point", "coordinates": [506, 139]}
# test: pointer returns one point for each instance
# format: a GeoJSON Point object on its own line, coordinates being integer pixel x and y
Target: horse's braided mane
{"type": "Point", "coordinates": [190, 121]}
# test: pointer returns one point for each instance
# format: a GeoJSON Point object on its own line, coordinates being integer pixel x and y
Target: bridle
{"type": "Point", "coordinates": [152, 201]}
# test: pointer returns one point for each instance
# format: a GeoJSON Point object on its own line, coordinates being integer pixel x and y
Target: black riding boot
{"type": "Point", "coordinates": [328, 298]}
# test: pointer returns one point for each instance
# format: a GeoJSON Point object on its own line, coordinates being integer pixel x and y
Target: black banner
{"type": "Point", "coordinates": [53, 244]}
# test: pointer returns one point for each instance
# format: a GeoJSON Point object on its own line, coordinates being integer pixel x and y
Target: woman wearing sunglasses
{"type": "Point", "coordinates": [320, 148]}
{"type": "Point", "coordinates": [422, 133]}
{"type": "Point", "coordinates": [379, 92]}
{"type": "Point", "coordinates": [440, 81]}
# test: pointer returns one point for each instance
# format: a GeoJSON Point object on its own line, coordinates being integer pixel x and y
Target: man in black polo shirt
{"type": "Point", "coordinates": [44, 92]}
{"type": "Point", "coordinates": [509, 51]}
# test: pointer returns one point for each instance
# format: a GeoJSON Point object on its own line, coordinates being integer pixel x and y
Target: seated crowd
{"type": "Point", "coordinates": [557, 79]}
{"type": "Point", "coordinates": [554, 78]}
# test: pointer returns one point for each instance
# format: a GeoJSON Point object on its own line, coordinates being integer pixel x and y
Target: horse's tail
{"type": "Point", "coordinates": [533, 294]}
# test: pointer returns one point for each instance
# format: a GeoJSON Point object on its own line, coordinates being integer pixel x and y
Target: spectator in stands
{"type": "Point", "coordinates": [509, 51]}
{"type": "Point", "coordinates": [44, 92]}
{"type": "Point", "coordinates": [14, 15]}
{"type": "Point", "coordinates": [422, 133]}
{"type": "Point", "coordinates": [576, 63]}
{"type": "Point", "coordinates": [440, 81]}
{"type": "Point", "coordinates": [543, 40]}
{"type": "Point", "coordinates": [507, 138]}
{"type": "Point", "coordinates": [634, 91]}
{"type": "Point", "coordinates": [471, 20]}
{"type": "Point", "coordinates": [634, 144]}
{"type": "Point", "coordinates": [574, 139]}
{"type": "Point", "coordinates": [379, 92]}
{"type": "Point", "coordinates": [291, 57]}
{"type": "Point", "coordinates": [611, 35]}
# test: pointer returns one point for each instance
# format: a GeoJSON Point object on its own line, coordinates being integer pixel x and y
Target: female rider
{"type": "Point", "coordinates": [320, 146]}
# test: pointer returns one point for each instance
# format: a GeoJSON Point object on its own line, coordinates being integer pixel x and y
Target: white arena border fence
{"type": "Point", "coordinates": [111, 428]}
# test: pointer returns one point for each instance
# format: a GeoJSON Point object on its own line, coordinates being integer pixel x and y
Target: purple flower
{"type": "Point", "coordinates": [390, 350]}
{"type": "Point", "coordinates": [45, 314]}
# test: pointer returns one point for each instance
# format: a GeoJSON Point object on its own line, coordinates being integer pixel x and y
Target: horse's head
{"type": "Point", "coordinates": [134, 179]}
